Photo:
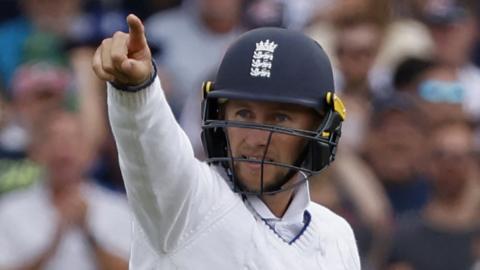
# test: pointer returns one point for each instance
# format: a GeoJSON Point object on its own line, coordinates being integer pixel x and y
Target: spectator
{"type": "Point", "coordinates": [64, 222]}
{"type": "Point", "coordinates": [192, 39]}
{"type": "Point", "coordinates": [445, 234]}
{"type": "Point", "coordinates": [357, 45]}
{"type": "Point", "coordinates": [409, 73]}
{"type": "Point", "coordinates": [442, 94]}
{"type": "Point", "coordinates": [453, 27]}
{"type": "Point", "coordinates": [357, 78]}
{"type": "Point", "coordinates": [394, 148]}
{"type": "Point", "coordinates": [37, 89]}
{"type": "Point", "coordinates": [40, 35]}
{"type": "Point", "coordinates": [40, 28]}
{"type": "Point", "coordinates": [434, 86]}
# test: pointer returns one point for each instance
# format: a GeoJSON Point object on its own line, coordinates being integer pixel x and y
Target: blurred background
{"type": "Point", "coordinates": [406, 175]}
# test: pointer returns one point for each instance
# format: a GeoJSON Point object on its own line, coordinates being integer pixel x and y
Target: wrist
{"type": "Point", "coordinates": [135, 88]}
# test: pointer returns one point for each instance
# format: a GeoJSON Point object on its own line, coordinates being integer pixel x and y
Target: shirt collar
{"type": "Point", "coordinates": [294, 213]}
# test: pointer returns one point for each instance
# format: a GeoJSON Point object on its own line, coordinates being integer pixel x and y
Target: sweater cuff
{"type": "Point", "coordinates": [136, 88]}
{"type": "Point", "coordinates": [137, 98]}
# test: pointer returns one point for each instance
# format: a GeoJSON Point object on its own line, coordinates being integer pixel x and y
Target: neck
{"type": "Point", "coordinates": [278, 203]}
{"type": "Point", "coordinates": [59, 187]}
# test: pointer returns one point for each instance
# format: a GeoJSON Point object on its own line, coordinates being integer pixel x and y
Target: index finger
{"type": "Point", "coordinates": [137, 40]}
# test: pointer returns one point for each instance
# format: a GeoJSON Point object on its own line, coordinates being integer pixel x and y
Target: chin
{"type": "Point", "coordinates": [251, 181]}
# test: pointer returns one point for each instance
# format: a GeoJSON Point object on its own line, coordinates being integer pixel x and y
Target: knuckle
{"type": "Point", "coordinates": [117, 57]}
{"type": "Point", "coordinates": [106, 42]}
{"type": "Point", "coordinates": [108, 68]}
{"type": "Point", "coordinates": [118, 34]}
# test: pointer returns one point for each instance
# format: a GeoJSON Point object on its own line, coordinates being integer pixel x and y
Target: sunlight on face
{"type": "Point", "coordinates": [253, 143]}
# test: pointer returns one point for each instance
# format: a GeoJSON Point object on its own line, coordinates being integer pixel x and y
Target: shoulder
{"type": "Point", "coordinates": [24, 205]}
{"type": "Point", "coordinates": [327, 217]}
{"type": "Point", "coordinates": [336, 236]}
{"type": "Point", "coordinates": [16, 200]}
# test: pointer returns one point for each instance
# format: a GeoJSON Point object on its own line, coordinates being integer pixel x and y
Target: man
{"type": "Point", "coordinates": [453, 26]}
{"type": "Point", "coordinates": [269, 120]}
{"type": "Point", "coordinates": [445, 234]}
{"type": "Point", "coordinates": [63, 222]}
{"type": "Point", "coordinates": [38, 88]}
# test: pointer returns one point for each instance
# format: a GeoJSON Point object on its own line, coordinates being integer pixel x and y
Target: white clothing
{"type": "Point", "coordinates": [292, 222]}
{"type": "Point", "coordinates": [186, 215]}
{"type": "Point", "coordinates": [28, 222]}
{"type": "Point", "coordinates": [469, 77]}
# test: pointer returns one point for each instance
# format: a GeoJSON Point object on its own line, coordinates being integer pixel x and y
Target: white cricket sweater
{"type": "Point", "coordinates": [186, 215]}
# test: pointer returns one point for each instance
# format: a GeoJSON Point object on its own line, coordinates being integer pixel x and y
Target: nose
{"type": "Point", "coordinates": [257, 137]}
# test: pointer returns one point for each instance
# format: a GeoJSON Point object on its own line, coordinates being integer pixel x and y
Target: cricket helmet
{"type": "Point", "coordinates": [274, 65]}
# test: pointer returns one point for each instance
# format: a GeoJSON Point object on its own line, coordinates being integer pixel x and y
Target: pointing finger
{"type": "Point", "coordinates": [137, 39]}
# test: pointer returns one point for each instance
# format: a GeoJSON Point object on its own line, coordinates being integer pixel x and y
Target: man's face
{"type": "Point", "coordinates": [37, 103]}
{"type": "Point", "coordinates": [395, 148]}
{"type": "Point", "coordinates": [62, 150]}
{"type": "Point", "coordinates": [454, 42]}
{"type": "Point", "coordinates": [356, 51]}
{"type": "Point", "coordinates": [451, 160]}
{"type": "Point", "coordinates": [253, 143]}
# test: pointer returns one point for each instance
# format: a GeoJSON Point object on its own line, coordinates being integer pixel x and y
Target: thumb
{"type": "Point", "coordinates": [137, 40]}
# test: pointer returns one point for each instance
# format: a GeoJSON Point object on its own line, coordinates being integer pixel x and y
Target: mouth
{"type": "Point", "coordinates": [254, 162]}
{"type": "Point", "coordinates": [257, 158]}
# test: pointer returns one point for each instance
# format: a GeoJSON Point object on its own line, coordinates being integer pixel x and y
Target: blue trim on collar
{"type": "Point", "coordinates": [307, 217]}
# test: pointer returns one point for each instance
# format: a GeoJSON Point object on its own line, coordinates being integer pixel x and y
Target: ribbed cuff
{"type": "Point", "coordinates": [136, 99]}
{"type": "Point", "coordinates": [136, 88]}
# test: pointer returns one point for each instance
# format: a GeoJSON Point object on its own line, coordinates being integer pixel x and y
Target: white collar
{"type": "Point", "coordinates": [295, 211]}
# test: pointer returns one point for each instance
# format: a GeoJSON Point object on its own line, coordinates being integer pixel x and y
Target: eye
{"type": "Point", "coordinates": [243, 114]}
{"type": "Point", "coordinates": [281, 118]}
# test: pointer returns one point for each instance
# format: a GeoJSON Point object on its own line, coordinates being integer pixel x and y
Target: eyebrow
{"type": "Point", "coordinates": [271, 105]}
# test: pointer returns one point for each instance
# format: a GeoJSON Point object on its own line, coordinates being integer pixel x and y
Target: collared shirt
{"type": "Point", "coordinates": [291, 224]}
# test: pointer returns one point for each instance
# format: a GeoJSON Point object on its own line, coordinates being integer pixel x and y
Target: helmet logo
{"type": "Point", "coordinates": [262, 59]}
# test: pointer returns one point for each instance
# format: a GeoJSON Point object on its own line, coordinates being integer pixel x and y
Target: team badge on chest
{"type": "Point", "coordinates": [262, 59]}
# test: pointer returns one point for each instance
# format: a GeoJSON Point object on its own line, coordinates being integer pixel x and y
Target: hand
{"type": "Point", "coordinates": [72, 208]}
{"type": "Point", "coordinates": [125, 58]}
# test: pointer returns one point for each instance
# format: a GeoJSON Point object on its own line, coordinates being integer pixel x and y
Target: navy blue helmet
{"type": "Point", "coordinates": [274, 65]}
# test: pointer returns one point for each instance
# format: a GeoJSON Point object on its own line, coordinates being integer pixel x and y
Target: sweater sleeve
{"type": "Point", "coordinates": [347, 246]}
{"type": "Point", "coordinates": [170, 191]}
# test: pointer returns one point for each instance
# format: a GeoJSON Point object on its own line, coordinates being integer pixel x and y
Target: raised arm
{"type": "Point", "coordinates": [169, 190]}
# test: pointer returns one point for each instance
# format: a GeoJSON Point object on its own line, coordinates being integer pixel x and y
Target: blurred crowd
{"type": "Point", "coordinates": [407, 174]}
